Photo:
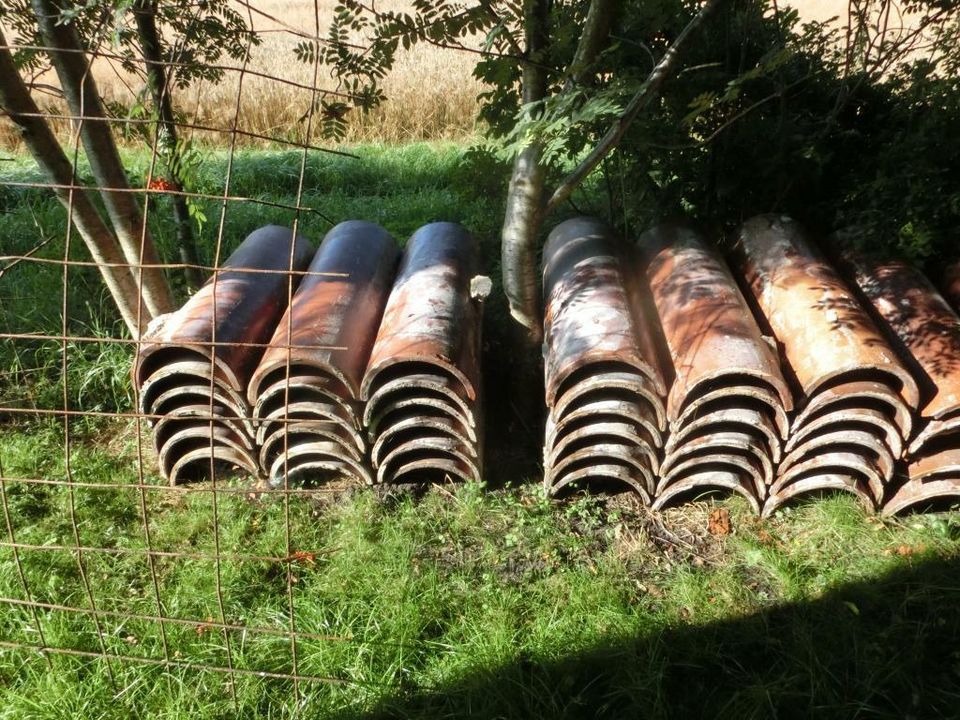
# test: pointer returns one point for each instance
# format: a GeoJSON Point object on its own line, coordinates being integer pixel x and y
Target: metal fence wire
{"type": "Point", "coordinates": [209, 533]}
{"type": "Point", "coordinates": [157, 448]}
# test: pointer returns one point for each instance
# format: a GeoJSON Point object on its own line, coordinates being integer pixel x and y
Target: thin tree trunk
{"type": "Point", "coordinates": [145, 14]}
{"type": "Point", "coordinates": [521, 226]}
{"type": "Point", "coordinates": [16, 101]}
{"type": "Point", "coordinates": [521, 222]}
{"type": "Point", "coordinates": [80, 91]}
{"type": "Point", "coordinates": [526, 194]}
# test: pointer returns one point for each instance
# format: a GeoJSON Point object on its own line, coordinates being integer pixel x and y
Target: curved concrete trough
{"type": "Point", "coordinates": [857, 396]}
{"type": "Point", "coordinates": [605, 387]}
{"type": "Point", "coordinates": [728, 404]}
{"type": "Point", "coordinates": [422, 382]}
{"type": "Point", "coordinates": [926, 330]}
{"type": "Point", "coordinates": [306, 389]}
{"type": "Point", "coordinates": [193, 365]}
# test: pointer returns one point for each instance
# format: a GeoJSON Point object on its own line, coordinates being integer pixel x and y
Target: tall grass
{"type": "Point", "coordinates": [432, 94]}
{"type": "Point", "coordinates": [469, 602]}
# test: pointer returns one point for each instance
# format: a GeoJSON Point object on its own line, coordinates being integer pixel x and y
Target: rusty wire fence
{"type": "Point", "coordinates": [61, 596]}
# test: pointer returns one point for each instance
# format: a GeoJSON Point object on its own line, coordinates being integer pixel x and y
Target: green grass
{"type": "Point", "coordinates": [466, 602]}
{"type": "Point", "coordinates": [470, 602]}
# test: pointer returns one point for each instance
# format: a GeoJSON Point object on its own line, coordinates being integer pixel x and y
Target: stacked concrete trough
{"type": "Point", "coordinates": [926, 331]}
{"type": "Point", "coordinates": [193, 365]}
{"type": "Point", "coordinates": [729, 403]}
{"type": "Point", "coordinates": [605, 386]}
{"type": "Point", "coordinates": [856, 397]}
{"type": "Point", "coordinates": [422, 383]}
{"type": "Point", "coordinates": [774, 377]}
{"type": "Point", "coordinates": [322, 378]}
{"type": "Point", "coordinates": [306, 390]}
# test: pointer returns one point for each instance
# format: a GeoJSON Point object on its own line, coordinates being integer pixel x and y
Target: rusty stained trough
{"type": "Point", "coordinates": [306, 389]}
{"type": "Point", "coordinates": [926, 330]}
{"type": "Point", "coordinates": [605, 386]}
{"type": "Point", "coordinates": [422, 383]}
{"type": "Point", "coordinates": [950, 285]}
{"type": "Point", "coordinates": [729, 403]}
{"type": "Point", "coordinates": [193, 365]}
{"type": "Point", "coordinates": [857, 398]}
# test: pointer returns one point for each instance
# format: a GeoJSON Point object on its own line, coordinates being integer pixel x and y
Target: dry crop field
{"type": "Point", "coordinates": [431, 92]}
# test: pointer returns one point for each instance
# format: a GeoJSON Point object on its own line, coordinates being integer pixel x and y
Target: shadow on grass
{"type": "Point", "coordinates": [884, 648]}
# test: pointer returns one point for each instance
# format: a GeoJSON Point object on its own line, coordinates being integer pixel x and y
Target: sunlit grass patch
{"type": "Point", "coordinates": [464, 599]}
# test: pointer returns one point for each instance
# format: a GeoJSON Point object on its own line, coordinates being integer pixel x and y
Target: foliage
{"type": "Point", "coordinates": [194, 39]}
{"type": "Point", "coordinates": [778, 116]}
{"type": "Point", "coordinates": [359, 64]}
{"type": "Point", "coordinates": [362, 44]}
{"type": "Point", "coordinates": [196, 36]}
{"type": "Point", "coordinates": [843, 130]}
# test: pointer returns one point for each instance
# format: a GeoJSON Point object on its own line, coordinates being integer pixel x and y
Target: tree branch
{"type": "Point", "coordinates": [26, 255]}
{"type": "Point", "coordinates": [779, 94]}
{"type": "Point", "coordinates": [650, 90]}
{"type": "Point", "coordinates": [83, 99]}
{"type": "Point", "coordinates": [511, 40]}
{"type": "Point", "coordinates": [16, 102]}
{"type": "Point", "coordinates": [596, 30]}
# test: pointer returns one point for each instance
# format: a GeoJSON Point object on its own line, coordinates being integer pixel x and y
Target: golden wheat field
{"type": "Point", "coordinates": [431, 92]}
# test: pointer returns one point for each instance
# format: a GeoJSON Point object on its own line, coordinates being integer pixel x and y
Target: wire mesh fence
{"type": "Point", "coordinates": [126, 565]}
{"type": "Point", "coordinates": [200, 579]}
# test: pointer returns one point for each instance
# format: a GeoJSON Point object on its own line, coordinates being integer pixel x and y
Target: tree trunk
{"type": "Point", "coordinates": [521, 223]}
{"type": "Point", "coordinates": [16, 102]}
{"type": "Point", "coordinates": [80, 90]}
{"type": "Point", "coordinates": [145, 14]}
{"type": "Point", "coordinates": [526, 194]}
